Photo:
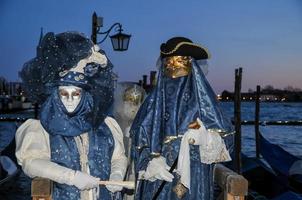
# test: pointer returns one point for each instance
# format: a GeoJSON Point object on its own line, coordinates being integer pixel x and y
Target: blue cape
{"type": "Point", "coordinates": [57, 121]}
{"type": "Point", "coordinates": [173, 105]}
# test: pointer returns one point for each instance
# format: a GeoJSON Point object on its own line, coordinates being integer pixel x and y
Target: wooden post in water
{"type": "Point", "coordinates": [237, 119]}
{"type": "Point", "coordinates": [257, 118]}
{"type": "Point", "coordinates": [233, 185]}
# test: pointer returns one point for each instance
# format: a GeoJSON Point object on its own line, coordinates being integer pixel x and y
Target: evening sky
{"type": "Point", "coordinates": [264, 37]}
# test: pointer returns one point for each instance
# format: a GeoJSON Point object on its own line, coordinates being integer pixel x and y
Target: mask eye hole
{"type": "Point", "coordinates": [63, 93]}
{"type": "Point", "coordinates": [76, 93]}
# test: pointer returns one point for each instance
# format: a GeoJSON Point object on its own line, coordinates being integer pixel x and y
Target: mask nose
{"type": "Point", "coordinates": [70, 98]}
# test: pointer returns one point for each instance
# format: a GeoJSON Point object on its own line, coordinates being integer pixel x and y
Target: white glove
{"type": "Point", "coordinates": [115, 188]}
{"type": "Point", "coordinates": [198, 136]}
{"type": "Point", "coordinates": [157, 169]}
{"type": "Point", "coordinates": [84, 181]}
{"type": "Point", "coordinates": [211, 145]}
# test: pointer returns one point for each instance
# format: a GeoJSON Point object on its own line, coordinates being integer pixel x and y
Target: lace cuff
{"type": "Point", "coordinates": [214, 150]}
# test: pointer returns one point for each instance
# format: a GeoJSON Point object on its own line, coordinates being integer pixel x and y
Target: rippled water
{"type": "Point", "coordinates": [288, 137]}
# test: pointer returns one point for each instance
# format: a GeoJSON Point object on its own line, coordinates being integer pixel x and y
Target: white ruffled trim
{"type": "Point", "coordinates": [215, 151]}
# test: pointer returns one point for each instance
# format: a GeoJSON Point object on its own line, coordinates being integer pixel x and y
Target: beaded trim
{"type": "Point", "coordinates": [169, 139]}
{"type": "Point", "coordinates": [221, 132]}
{"type": "Point", "coordinates": [154, 154]}
{"type": "Point", "coordinates": [140, 147]}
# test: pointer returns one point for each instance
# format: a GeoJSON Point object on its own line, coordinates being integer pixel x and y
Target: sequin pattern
{"type": "Point", "coordinates": [63, 152]}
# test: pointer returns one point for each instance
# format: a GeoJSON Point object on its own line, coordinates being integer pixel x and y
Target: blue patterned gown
{"type": "Point", "coordinates": [166, 113]}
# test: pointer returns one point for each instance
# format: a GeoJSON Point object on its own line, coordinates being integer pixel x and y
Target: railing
{"type": "Point", "coordinates": [13, 119]}
{"type": "Point", "coordinates": [41, 189]}
{"type": "Point", "coordinates": [233, 185]}
{"type": "Point", "coordinates": [244, 122]}
{"type": "Point", "coordinates": [274, 123]}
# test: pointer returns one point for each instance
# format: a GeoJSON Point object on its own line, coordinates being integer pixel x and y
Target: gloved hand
{"type": "Point", "coordinates": [115, 188]}
{"type": "Point", "coordinates": [84, 181]}
{"type": "Point", "coordinates": [158, 169]}
{"type": "Point", "coordinates": [198, 136]}
{"type": "Point", "coordinates": [211, 146]}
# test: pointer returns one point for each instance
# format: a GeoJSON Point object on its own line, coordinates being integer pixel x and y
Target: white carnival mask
{"type": "Point", "coordinates": [70, 97]}
{"type": "Point", "coordinates": [130, 110]}
{"type": "Point", "coordinates": [133, 97]}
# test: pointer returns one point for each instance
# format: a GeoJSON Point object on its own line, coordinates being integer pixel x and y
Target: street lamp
{"type": "Point", "coordinates": [119, 41]}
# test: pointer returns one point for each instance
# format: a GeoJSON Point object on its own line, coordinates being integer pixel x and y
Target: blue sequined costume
{"type": "Point", "coordinates": [62, 128]}
{"type": "Point", "coordinates": [56, 55]}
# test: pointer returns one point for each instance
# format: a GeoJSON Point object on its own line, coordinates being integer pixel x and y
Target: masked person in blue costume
{"type": "Point", "coordinates": [74, 143]}
{"type": "Point", "coordinates": [128, 97]}
{"type": "Point", "coordinates": [179, 132]}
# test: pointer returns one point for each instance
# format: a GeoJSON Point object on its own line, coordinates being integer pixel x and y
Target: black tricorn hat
{"type": "Point", "coordinates": [181, 46]}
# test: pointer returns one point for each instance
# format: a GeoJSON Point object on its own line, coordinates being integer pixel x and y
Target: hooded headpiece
{"type": "Point", "coordinates": [69, 58]}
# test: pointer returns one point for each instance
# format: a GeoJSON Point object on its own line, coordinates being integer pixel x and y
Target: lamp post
{"type": "Point", "coordinates": [119, 41]}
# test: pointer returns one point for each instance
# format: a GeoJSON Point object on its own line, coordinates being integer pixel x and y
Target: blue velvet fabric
{"type": "Point", "coordinates": [57, 121]}
{"type": "Point", "coordinates": [64, 152]}
{"type": "Point", "coordinates": [167, 111]}
{"type": "Point", "coordinates": [180, 105]}
{"type": "Point", "coordinates": [62, 128]}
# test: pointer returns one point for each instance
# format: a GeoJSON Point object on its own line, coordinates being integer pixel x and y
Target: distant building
{"type": "Point", "coordinates": [269, 97]}
{"type": "Point", "coordinates": [2, 86]}
{"type": "Point", "coordinates": [246, 96]}
{"type": "Point", "coordinates": [14, 88]}
{"type": "Point", "coordinates": [148, 87]}
{"type": "Point", "coordinates": [115, 79]}
{"type": "Point", "coordinates": [272, 96]}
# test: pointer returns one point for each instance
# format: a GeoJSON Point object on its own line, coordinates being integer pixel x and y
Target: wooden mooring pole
{"type": "Point", "coordinates": [257, 119]}
{"type": "Point", "coordinates": [237, 119]}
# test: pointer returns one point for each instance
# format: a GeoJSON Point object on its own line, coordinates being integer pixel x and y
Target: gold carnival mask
{"type": "Point", "coordinates": [133, 95]}
{"type": "Point", "coordinates": [177, 66]}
